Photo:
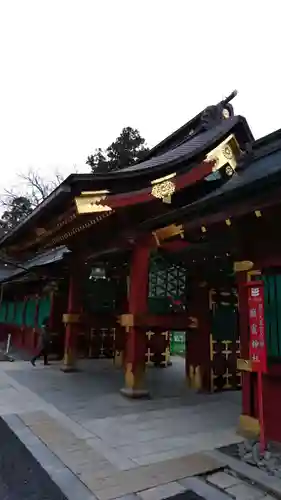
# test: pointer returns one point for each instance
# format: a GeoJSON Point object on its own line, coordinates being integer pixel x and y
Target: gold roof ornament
{"type": "Point", "coordinates": [225, 113]}
{"type": "Point", "coordinates": [168, 232]}
{"type": "Point", "coordinates": [227, 152]}
{"type": "Point", "coordinates": [163, 188]}
{"type": "Point", "coordinates": [258, 213]}
{"type": "Point", "coordinates": [229, 170]}
{"type": "Point", "coordinates": [225, 155]}
{"type": "Point", "coordinates": [91, 202]}
{"type": "Point", "coordinates": [243, 265]}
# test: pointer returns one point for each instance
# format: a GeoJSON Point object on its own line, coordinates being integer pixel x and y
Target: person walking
{"type": "Point", "coordinates": [44, 343]}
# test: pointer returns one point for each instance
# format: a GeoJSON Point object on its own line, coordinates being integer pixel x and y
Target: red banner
{"type": "Point", "coordinates": [258, 354]}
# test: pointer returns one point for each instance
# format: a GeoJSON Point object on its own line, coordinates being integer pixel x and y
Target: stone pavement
{"type": "Point", "coordinates": [96, 444]}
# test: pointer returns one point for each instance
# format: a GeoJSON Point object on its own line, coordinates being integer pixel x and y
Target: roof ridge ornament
{"type": "Point", "coordinates": [227, 110]}
{"type": "Point", "coordinates": [215, 114]}
{"type": "Point", "coordinates": [230, 97]}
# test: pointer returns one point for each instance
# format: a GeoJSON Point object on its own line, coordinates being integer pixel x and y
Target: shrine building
{"type": "Point", "coordinates": [126, 263]}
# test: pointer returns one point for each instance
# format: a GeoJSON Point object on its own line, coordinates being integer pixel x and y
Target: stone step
{"type": "Point", "coordinates": [252, 476]}
{"type": "Point", "coordinates": [236, 486]}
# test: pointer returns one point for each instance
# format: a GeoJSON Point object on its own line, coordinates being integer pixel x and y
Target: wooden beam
{"type": "Point", "coordinates": [175, 321]}
{"type": "Point", "coordinates": [235, 210]}
{"type": "Point", "coordinates": [114, 201]}
{"type": "Point", "coordinates": [175, 246]}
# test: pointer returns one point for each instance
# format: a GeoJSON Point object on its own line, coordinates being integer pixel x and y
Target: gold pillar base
{"type": "Point", "coordinates": [248, 427]}
{"type": "Point", "coordinates": [118, 360]}
{"type": "Point", "coordinates": [69, 363]}
{"type": "Point", "coordinates": [194, 378]}
{"type": "Point", "coordinates": [134, 382]}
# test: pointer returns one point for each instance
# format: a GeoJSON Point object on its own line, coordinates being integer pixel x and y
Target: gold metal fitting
{"type": "Point", "coordinates": [163, 188]}
{"type": "Point", "coordinates": [225, 154]}
{"type": "Point", "coordinates": [91, 202]}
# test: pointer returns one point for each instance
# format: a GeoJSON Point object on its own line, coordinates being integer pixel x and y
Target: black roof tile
{"type": "Point", "coordinates": [42, 259]}
{"type": "Point", "coordinates": [261, 173]}
{"type": "Point", "coordinates": [186, 151]}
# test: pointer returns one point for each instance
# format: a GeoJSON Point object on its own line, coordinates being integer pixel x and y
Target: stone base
{"type": "Point", "coordinates": [134, 393]}
{"type": "Point", "coordinates": [69, 369]}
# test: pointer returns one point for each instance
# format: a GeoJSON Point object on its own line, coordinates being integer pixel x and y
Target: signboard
{"type": "Point", "coordinates": [258, 354]}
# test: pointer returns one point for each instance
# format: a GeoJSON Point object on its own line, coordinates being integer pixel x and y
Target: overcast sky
{"type": "Point", "coordinates": [74, 72]}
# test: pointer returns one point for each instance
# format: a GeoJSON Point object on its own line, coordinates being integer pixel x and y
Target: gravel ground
{"type": "Point", "coordinates": [232, 450]}
{"type": "Point", "coordinates": [250, 453]}
{"type": "Point", "coordinates": [21, 476]}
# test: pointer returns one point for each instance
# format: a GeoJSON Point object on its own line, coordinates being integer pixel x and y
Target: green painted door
{"type": "Point", "coordinates": [272, 311]}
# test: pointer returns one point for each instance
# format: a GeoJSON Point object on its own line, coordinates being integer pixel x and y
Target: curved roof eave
{"type": "Point", "coordinates": [263, 170]}
{"type": "Point", "coordinates": [185, 152]}
{"type": "Point", "coordinates": [156, 166]}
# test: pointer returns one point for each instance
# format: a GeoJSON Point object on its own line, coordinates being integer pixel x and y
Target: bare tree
{"type": "Point", "coordinates": [19, 202]}
{"type": "Point", "coordinates": [33, 187]}
{"type": "Point", "coordinates": [39, 188]}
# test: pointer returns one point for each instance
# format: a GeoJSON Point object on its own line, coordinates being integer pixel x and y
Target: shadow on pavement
{"type": "Point", "coordinates": [187, 495]}
{"type": "Point", "coordinates": [21, 476]}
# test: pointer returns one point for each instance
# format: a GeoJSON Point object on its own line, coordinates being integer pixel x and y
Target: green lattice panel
{"type": "Point", "coordinates": [176, 281]}
{"type": "Point", "coordinates": [165, 281]}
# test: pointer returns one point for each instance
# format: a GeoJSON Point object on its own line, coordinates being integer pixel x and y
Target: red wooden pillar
{"type": "Point", "coordinates": [71, 320]}
{"type": "Point", "coordinates": [136, 336]}
{"type": "Point", "coordinates": [198, 362]}
{"type": "Point", "coordinates": [120, 340]}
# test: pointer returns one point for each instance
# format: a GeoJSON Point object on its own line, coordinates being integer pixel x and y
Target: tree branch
{"type": "Point", "coordinates": [19, 202]}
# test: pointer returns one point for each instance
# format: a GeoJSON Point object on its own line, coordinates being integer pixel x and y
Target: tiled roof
{"type": "Point", "coordinates": [42, 259]}
{"type": "Point", "coordinates": [186, 151]}
{"type": "Point", "coordinates": [262, 169]}
{"type": "Point", "coordinates": [258, 170]}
